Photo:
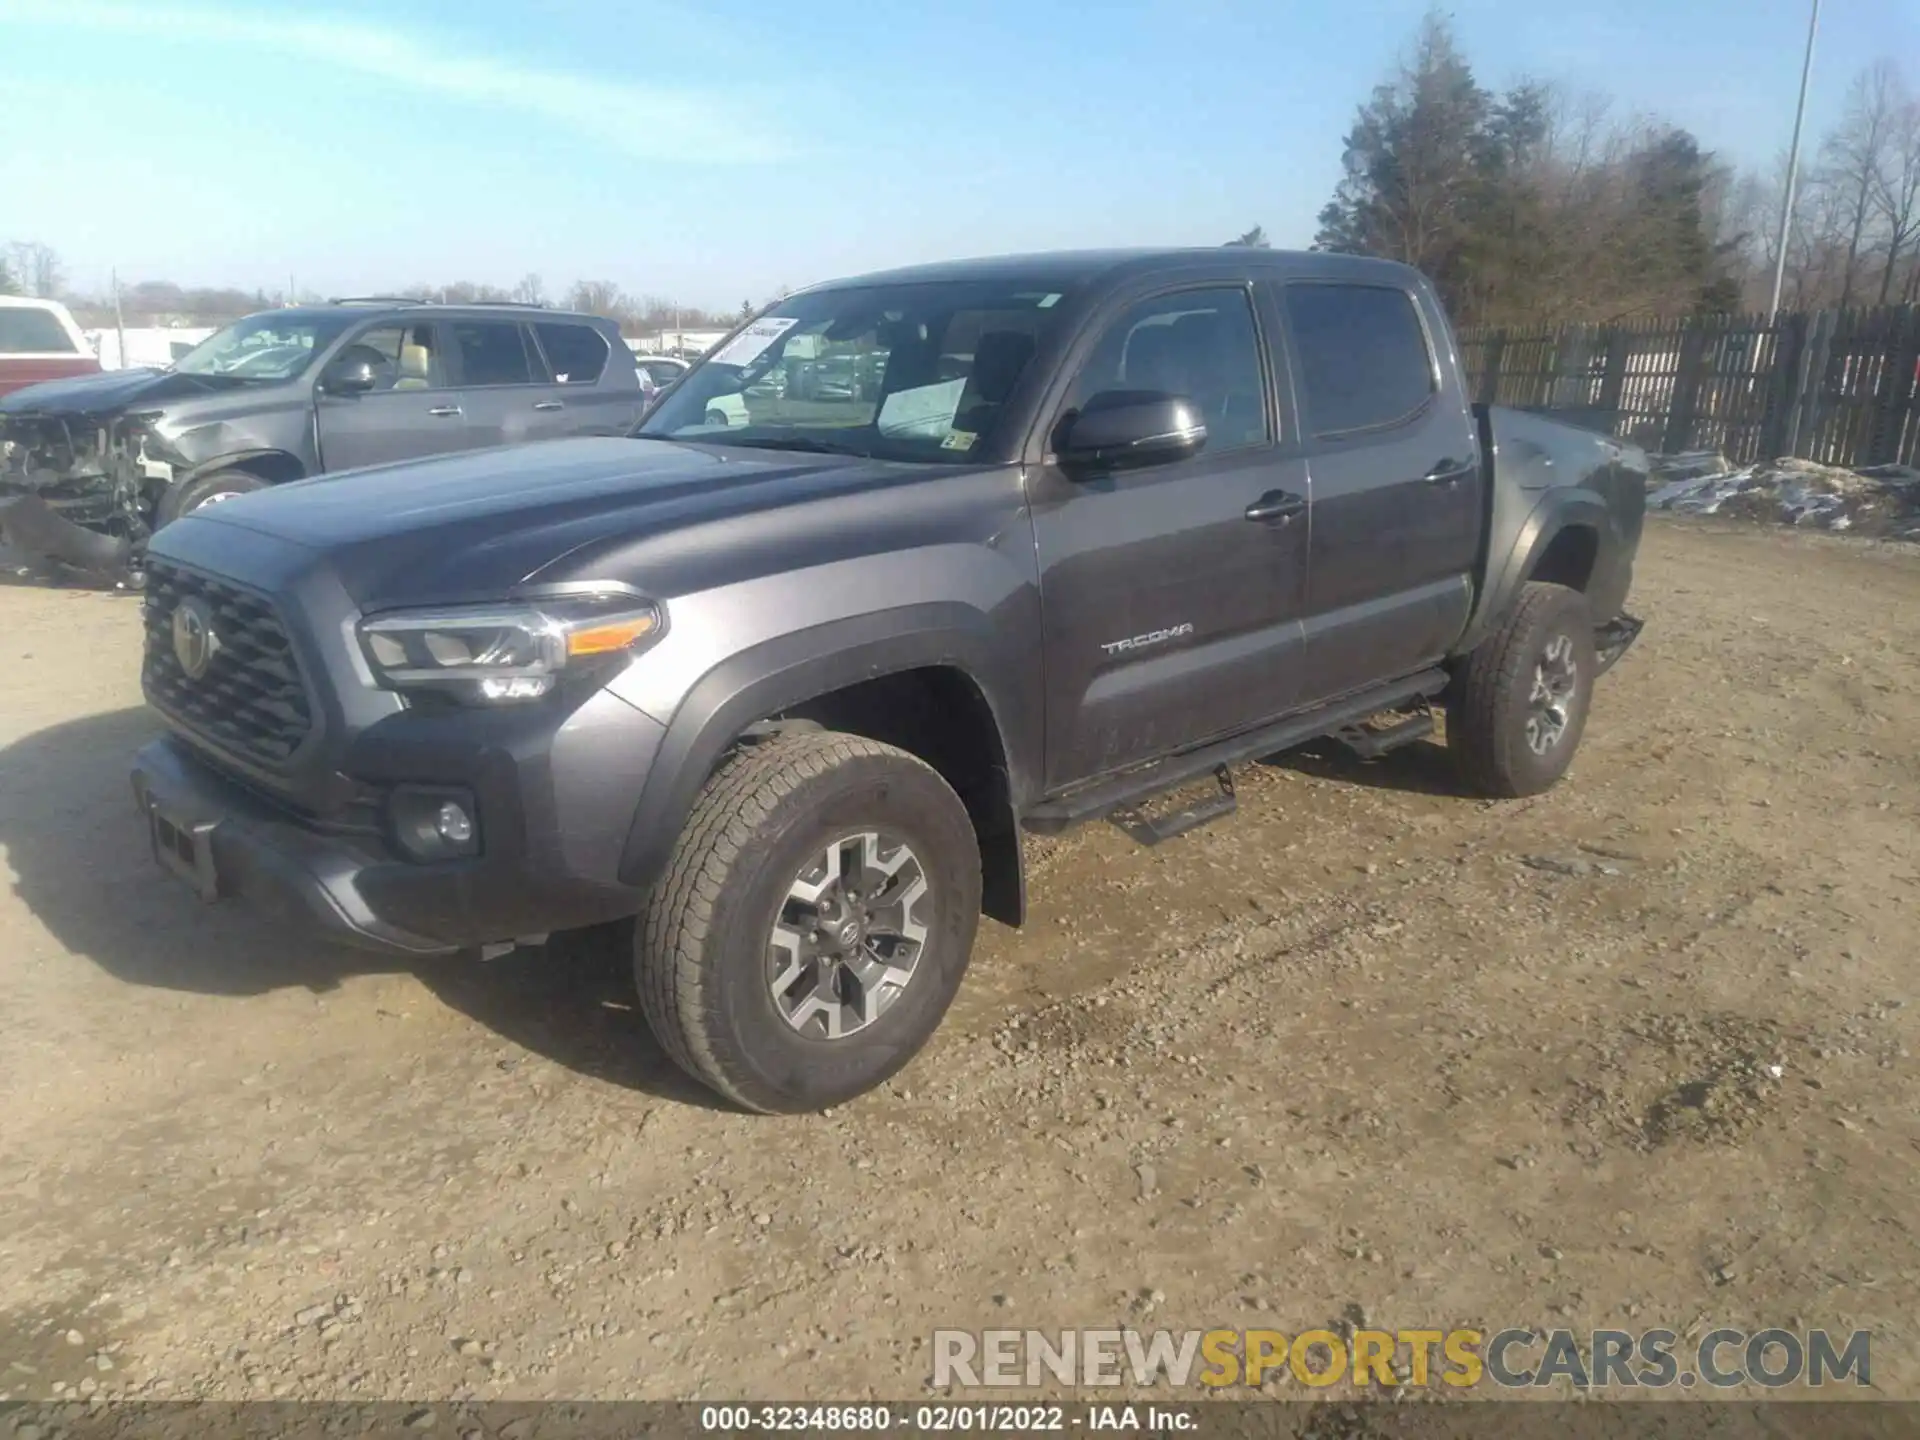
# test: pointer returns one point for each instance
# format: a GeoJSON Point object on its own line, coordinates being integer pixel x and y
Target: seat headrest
{"type": "Point", "coordinates": [998, 359]}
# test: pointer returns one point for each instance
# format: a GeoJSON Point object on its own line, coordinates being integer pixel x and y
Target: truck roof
{"type": "Point", "coordinates": [1077, 267]}
{"type": "Point", "coordinates": [377, 305]}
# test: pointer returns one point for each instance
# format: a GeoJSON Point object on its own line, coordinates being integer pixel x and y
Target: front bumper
{"type": "Point", "coordinates": [33, 526]}
{"type": "Point", "coordinates": [229, 842]}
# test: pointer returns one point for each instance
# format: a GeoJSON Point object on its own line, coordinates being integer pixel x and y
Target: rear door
{"type": "Point", "coordinates": [1172, 594]}
{"type": "Point", "coordinates": [1397, 484]}
{"type": "Point", "coordinates": [503, 382]}
{"type": "Point", "coordinates": [413, 410]}
{"type": "Point", "coordinates": [596, 389]}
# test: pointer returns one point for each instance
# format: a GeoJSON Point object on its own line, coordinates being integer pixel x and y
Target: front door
{"type": "Point", "coordinates": [411, 412]}
{"type": "Point", "coordinates": [1397, 486]}
{"type": "Point", "coordinates": [1172, 594]}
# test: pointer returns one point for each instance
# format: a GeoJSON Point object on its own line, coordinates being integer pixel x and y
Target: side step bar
{"type": "Point", "coordinates": [1615, 638]}
{"type": "Point", "coordinates": [1103, 797]}
{"type": "Point", "coordinates": [1151, 830]}
{"type": "Point", "coordinates": [1372, 744]}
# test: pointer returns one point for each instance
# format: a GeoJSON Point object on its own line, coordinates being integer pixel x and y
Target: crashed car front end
{"type": "Point", "coordinates": [80, 489]}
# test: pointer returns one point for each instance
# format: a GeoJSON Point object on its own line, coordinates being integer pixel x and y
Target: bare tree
{"type": "Point", "coordinates": [1853, 160]}
{"type": "Point", "coordinates": [36, 268]}
{"type": "Point", "coordinates": [599, 297]}
{"type": "Point", "coordinates": [1896, 195]}
{"type": "Point", "coordinates": [531, 290]}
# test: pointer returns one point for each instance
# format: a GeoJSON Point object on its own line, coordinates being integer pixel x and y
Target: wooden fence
{"type": "Point", "coordinates": [1839, 387]}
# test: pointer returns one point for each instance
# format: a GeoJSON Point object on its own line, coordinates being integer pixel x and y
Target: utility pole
{"type": "Point", "coordinates": [1793, 162]}
{"type": "Point", "coordinates": [119, 319]}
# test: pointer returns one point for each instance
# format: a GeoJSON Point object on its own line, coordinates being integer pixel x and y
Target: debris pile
{"type": "Point", "coordinates": [1882, 501]}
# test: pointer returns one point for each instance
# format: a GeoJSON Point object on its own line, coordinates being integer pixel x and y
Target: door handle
{"type": "Point", "coordinates": [1449, 472]}
{"type": "Point", "coordinates": [1281, 505]}
{"type": "Point", "coordinates": [444, 410]}
{"type": "Point", "coordinates": [549, 405]}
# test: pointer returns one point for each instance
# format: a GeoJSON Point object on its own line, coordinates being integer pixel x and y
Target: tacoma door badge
{"type": "Point", "coordinates": [1148, 640]}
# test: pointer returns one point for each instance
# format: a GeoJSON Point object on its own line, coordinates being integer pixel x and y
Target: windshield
{"type": "Point", "coordinates": [263, 347]}
{"type": "Point", "coordinates": [897, 372]}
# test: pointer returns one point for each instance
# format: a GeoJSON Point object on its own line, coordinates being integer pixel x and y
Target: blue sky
{"type": "Point", "coordinates": [711, 150]}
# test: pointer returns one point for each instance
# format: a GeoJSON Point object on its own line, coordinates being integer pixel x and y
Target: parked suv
{"type": "Point", "coordinates": [790, 691]}
{"type": "Point", "coordinates": [89, 467]}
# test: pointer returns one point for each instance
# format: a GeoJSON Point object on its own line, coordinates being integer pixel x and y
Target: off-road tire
{"type": "Point", "coordinates": [1489, 703]}
{"type": "Point", "coordinates": [701, 946]}
{"type": "Point", "coordinates": [185, 499]}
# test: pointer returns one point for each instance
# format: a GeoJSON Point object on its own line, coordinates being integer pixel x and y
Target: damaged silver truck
{"type": "Point", "coordinates": [91, 466]}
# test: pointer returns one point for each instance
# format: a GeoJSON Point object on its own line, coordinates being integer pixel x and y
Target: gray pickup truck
{"type": "Point", "coordinates": [789, 688]}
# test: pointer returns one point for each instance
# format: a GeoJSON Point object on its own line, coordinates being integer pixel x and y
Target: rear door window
{"type": "Point", "coordinates": [1362, 353]}
{"type": "Point", "coordinates": [491, 352]}
{"type": "Point", "coordinates": [576, 354]}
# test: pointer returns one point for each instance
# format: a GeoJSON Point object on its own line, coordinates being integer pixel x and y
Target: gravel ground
{"type": "Point", "coordinates": [1635, 1053]}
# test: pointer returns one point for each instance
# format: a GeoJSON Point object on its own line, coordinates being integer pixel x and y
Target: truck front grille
{"type": "Point", "coordinates": [250, 699]}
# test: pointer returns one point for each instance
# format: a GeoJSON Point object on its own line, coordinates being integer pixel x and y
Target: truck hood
{"type": "Point", "coordinates": [474, 526]}
{"type": "Point", "coordinates": [109, 392]}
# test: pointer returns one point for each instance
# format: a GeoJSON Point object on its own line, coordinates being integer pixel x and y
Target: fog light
{"type": "Point", "coordinates": [454, 825]}
{"type": "Point", "coordinates": [434, 822]}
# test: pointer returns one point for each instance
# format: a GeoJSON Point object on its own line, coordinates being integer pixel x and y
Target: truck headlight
{"type": "Point", "coordinates": [497, 654]}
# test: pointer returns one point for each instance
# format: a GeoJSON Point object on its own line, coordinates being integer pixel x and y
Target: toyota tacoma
{"type": "Point", "coordinates": [787, 691]}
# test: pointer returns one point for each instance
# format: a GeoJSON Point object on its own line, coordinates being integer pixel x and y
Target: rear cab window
{"type": "Point", "coordinates": [30, 330]}
{"type": "Point", "coordinates": [576, 354]}
{"type": "Point", "coordinates": [1362, 354]}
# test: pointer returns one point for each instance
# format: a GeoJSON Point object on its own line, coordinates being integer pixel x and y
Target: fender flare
{"type": "Point", "coordinates": [1512, 558]}
{"type": "Point", "coordinates": [237, 460]}
{"type": "Point", "coordinates": [803, 665]}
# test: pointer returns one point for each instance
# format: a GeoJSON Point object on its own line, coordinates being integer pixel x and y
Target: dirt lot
{"type": "Point", "coordinates": [1369, 1048]}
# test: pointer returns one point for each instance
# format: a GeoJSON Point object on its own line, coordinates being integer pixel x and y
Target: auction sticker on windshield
{"type": "Point", "coordinates": [751, 343]}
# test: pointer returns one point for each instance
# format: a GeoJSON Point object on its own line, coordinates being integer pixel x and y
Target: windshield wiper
{"type": "Point", "coordinates": [804, 443]}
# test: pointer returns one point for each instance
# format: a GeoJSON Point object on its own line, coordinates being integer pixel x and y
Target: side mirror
{"type": "Point", "coordinates": [350, 376]}
{"type": "Point", "coordinates": [1126, 429]}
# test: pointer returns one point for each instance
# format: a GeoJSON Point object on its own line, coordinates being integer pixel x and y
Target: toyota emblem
{"type": "Point", "coordinates": [194, 641]}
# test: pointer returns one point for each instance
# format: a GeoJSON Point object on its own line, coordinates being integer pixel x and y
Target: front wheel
{"type": "Point", "coordinates": [716, 417]}
{"type": "Point", "coordinates": [1519, 707]}
{"type": "Point", "coordinates": [813, 924]}
{"type": "Point", "coordinates": [206, 490]}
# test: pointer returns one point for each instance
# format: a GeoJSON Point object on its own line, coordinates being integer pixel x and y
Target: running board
{"type": "Point", "coordinates": [1615, 638]}
{"type": "Point", "coordinates": [1372, 744]}
{"type": "Point", "coordinates": [1103, 797]}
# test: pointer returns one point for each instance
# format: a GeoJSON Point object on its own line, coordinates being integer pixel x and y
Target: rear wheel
{"type": "Point", "coordinates": [716, 417]}
{"type": "Point", "coordinates": [813, 924]}
{"type": "Point", "coordinates": [1519, 707]}
{"type": "Point", "coordinates": [206, 490]}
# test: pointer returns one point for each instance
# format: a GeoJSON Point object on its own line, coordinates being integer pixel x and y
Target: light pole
{"type": "Point", "coordinates": [1793, 162]}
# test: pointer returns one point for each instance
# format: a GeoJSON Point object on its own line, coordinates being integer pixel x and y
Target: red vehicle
{"type": "Point", "coordinates": [39, 341]}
